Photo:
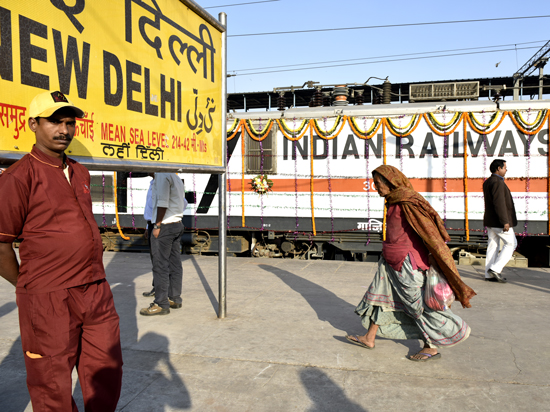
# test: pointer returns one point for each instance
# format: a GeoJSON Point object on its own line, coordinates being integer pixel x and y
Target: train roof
{"type": "Point", "coordinates": [393, 110]}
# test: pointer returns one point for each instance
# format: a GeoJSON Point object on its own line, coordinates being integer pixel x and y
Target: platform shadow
{"type": "Point", "coordinates": [328, 306]}
{"type": "Point", "coordinates": [152, 349]}
{"type": "Point", "coordinates": [205, 285]}
{"type": "Point", "coordinates": [326, 395]}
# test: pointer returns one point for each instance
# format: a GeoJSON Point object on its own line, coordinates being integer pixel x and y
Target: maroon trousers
{"type": "Point", "coordinates": [72, 327]}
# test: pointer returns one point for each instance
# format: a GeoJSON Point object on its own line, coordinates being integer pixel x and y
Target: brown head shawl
{"type": "Point", "coordinates": [426, 222]}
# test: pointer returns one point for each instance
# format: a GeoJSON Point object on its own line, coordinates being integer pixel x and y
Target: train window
{"type": "Point", "coordinates": [102, 192]}
{"type": "Point", "coordinates": [261, 156]}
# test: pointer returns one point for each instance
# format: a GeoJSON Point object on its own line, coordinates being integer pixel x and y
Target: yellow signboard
{"type": "Point", "coordinates": [147, 73]}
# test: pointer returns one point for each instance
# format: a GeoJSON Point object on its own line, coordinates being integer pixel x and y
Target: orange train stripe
{"type": "Point", "coordinates": [421, 185]}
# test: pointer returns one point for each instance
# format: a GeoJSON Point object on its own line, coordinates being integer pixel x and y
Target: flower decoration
{"type": "Point", "coordinates": [261, 184]}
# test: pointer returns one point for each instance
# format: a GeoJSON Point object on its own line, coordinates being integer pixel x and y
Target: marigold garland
{"type": "Point", "coordinates": [492, 120]}
{"type": "Point", "coordinates": [537, 127]}
{"type": "Point", "coordinates": [242, 179]}
{"type": "Point", "coordinates": [364, 134]}
{"type": "Point", "coordinates": [384, 124]}
{"type": "Point", "coordinates": [469, 118]}
{"type": "Point", "coordinates": [116, 209]}
{"type": "Point", "coordinates": [258, 136]}
{"type": "Point", "coordinates": [340, 121]}
{"type": "Point", "coordinates": [311, 187]}
{"type": "Point", "coordinates": [438, 127]}
{"type": "Point", "coordinates": [235, 131]}
{"type": "Point", "coordinates": [285, 127]}
{"type": "Point", "coordinates": [442, 132]}
{"type": "Point", "coordinates": [466, 222]}
{"type": "Point", "coordinates": [455, 118]}
{"type": "Point", "coordinates": [403, 134]}
{"type": "Point", "coordinates": [293, 139]}
{"type": "Point", "coordinates": [405, 130]}
{"type": "Point", "coordinates": [234, 125]}
{"type": "Point", "coordinates": [527, 124]}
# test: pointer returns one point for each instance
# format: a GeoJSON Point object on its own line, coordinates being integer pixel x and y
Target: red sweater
{"type": "Point", "coordinates": [402, 240]}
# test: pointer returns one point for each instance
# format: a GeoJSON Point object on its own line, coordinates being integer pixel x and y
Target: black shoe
{"type": "Point", "coordinates": [490, 280]}
{"type": "Point", "coordinates": [496, 276]}
{"type": "Point", "coordinates": [149, 294]}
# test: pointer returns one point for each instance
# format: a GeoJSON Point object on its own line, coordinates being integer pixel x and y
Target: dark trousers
{"type": "Point", "coordinates": [149, 234]}
{"type": "Point", "coordinates": [67, 328]}
{"type": "Point", "coordinates": [167, 268]}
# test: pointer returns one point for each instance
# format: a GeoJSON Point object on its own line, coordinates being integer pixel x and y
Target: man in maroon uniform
{"type": "Point", "coordinates": [67, 315]}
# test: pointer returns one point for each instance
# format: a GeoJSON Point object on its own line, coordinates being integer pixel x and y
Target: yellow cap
{"type": "Point", "coordinates": [47, 103]}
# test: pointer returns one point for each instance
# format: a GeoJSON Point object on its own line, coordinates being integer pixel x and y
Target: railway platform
{"type": "Point", "coordinates": [282, 345]}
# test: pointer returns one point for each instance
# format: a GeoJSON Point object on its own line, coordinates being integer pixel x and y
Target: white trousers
{"type": "Point", "coordinates": [496, 260]}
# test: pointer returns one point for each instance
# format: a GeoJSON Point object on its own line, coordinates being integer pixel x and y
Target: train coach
{"type": "Point", "coordinates": [299, 181]}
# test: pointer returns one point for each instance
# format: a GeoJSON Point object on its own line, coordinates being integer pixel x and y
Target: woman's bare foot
{"type": "Point", "coordinates": [364, 340]}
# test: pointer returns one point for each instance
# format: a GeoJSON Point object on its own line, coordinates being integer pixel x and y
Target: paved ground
{"type": "Point", "coordinates": [282, 346]}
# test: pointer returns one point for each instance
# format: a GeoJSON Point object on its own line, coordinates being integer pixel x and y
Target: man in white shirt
{"type": "Point", "coordinates": [168, 196]}
{"type": "Point", "coordinates": [148, 216]}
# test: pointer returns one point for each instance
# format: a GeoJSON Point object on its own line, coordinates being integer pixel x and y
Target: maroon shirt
{"type": "Point", "coordinates": [61, 245]}
{"type": "Point", "coordinates": [402, 240]}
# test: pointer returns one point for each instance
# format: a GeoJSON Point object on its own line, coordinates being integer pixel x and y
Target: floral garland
{"type": "Point", "coordinates": [526, 122]}
{"type": "Point", "coordinates": [132, 202]}
{"type": "Point", "coordinates": [294, 144]}
{"type": "Point", "coordinates": [236, 123]}
{"type": "Point", "coordinates": [262, 180]}
{"type": "Point", "coordinates": [330, 134]}
{"type": "Point", "coordinates": [443, 129]}
{"type": "Point", "coordinates": [482, 124]}
{"type": "Point", "coordinates": [472, 122]}
{"type": "Point", "coordinates": [327, 150]}
{"type": "Point", "coordinates": [294, 130]}
{"type": "Point", "coordinates": [254, 134]}
{"type": "Point", "coordinates": [405, 130]}
{"type": "Point", "coordinates": [311, 184]}
{"type": "Point", "coordinates": [116, 209]}
{"type": "Point", "coordinates": [445, 157]}
{"type": "Point", "coordinates": [466, 222]}
{"type": "Point", "coordinates": [261, 184]}
{"type": "Point", "coordinates": [445, 125]}
{"type": "Point", "coordinates": [367, 173]}
{"type": "Point", "coordinates": [525, 127]}
{"type": "Point", "coordinates": [243, 216]}
{"type": "Point", "coordinates": [364, 134]}
{"type": "Point", "coordinates": [438, 127]}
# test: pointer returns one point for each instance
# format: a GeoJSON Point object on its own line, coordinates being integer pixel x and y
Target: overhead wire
{"type": "Point", "coordinates": [380, 61]}
{"type": "Point", "coordinates": [239, 4]}
{"type": "Point", "coordinates": [387, 26]}
{"type": "Point", "coordinates": [391, 55]}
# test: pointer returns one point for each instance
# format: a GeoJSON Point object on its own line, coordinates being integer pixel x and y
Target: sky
{"type": "Point", "coordinates": [276, 54]}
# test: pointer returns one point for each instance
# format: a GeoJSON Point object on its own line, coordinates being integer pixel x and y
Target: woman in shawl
{"type": "Point", "coordinates": [393, 306]}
